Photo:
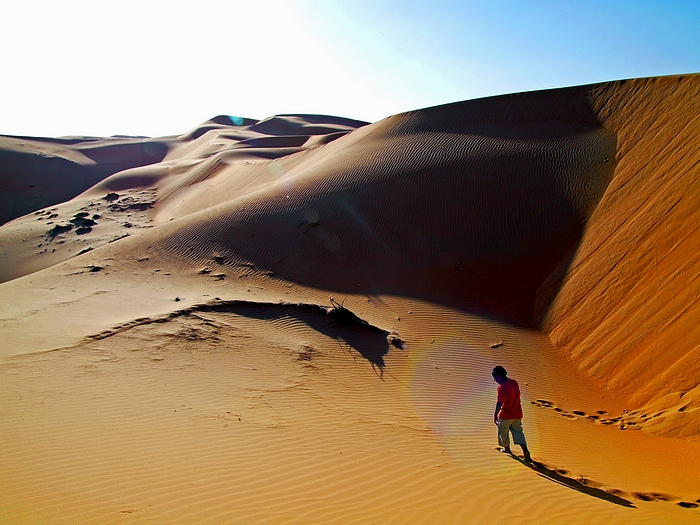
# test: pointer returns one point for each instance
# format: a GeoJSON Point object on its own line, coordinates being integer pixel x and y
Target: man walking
{"type": "Point", "coordinates": [509, 413]}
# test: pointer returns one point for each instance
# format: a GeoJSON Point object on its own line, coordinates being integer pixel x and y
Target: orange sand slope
{"type": "Point", "coordinates": [294, 320]}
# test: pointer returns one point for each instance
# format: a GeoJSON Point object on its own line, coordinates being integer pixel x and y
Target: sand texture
{"type": "Point", "coordinates": [294, 320]}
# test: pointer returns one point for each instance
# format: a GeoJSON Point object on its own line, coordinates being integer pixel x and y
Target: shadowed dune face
{"type": "Point", "coordinates": [475, 218]}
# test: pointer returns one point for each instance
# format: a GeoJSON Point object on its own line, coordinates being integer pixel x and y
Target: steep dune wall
{"type": "Point", "coordinates": [627, 315]}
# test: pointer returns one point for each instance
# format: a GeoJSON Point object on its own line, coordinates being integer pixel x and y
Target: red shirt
{"type": "Point", "coordinates": [509, 395]}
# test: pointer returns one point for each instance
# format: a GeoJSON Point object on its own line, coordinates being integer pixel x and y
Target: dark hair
{"type": "Point", "coordinates": [499, 371]}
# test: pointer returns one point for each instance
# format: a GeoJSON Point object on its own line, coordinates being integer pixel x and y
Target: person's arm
{"type": "Point", "coordinates": [495, 414]}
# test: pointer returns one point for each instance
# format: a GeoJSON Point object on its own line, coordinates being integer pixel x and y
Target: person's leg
{"type": "Point", "coordinates": [519, 437]}
{"type": "Point", "coordinates": [503, 437]}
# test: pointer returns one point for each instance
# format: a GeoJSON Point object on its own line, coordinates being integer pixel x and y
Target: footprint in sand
{"type": "Point", "coordinates": [654, 496]}
{"type": "Point", "coordinates": [628, 420]}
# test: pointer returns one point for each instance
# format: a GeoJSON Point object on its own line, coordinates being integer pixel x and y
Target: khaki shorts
{"type": "Point", "coordinates": [514, 426]}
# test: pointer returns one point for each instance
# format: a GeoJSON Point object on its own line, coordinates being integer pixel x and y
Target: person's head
{"type": "Point", "coordinates": [499, 374]}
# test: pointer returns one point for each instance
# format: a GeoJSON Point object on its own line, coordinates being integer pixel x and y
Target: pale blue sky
{"type": "Point", "coordinates": [157, 68]}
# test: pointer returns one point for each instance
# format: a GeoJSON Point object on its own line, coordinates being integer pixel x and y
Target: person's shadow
{"type": "Point", "coordinates": [581, 486]}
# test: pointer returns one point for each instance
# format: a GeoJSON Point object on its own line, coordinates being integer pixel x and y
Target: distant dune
{"type": "Point", "coordinates": [293, 320]}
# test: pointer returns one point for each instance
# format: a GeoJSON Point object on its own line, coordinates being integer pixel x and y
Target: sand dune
{"type": "Point", "coordinates": [294, 320]}
{"type": "Point", "coordinates": [39, 172]}
{"type": "Point", "coordinates": [111, 184]}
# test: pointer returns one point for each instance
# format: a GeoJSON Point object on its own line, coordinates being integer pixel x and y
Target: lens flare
{"type": "Point", "coordinates": [448, 384]}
